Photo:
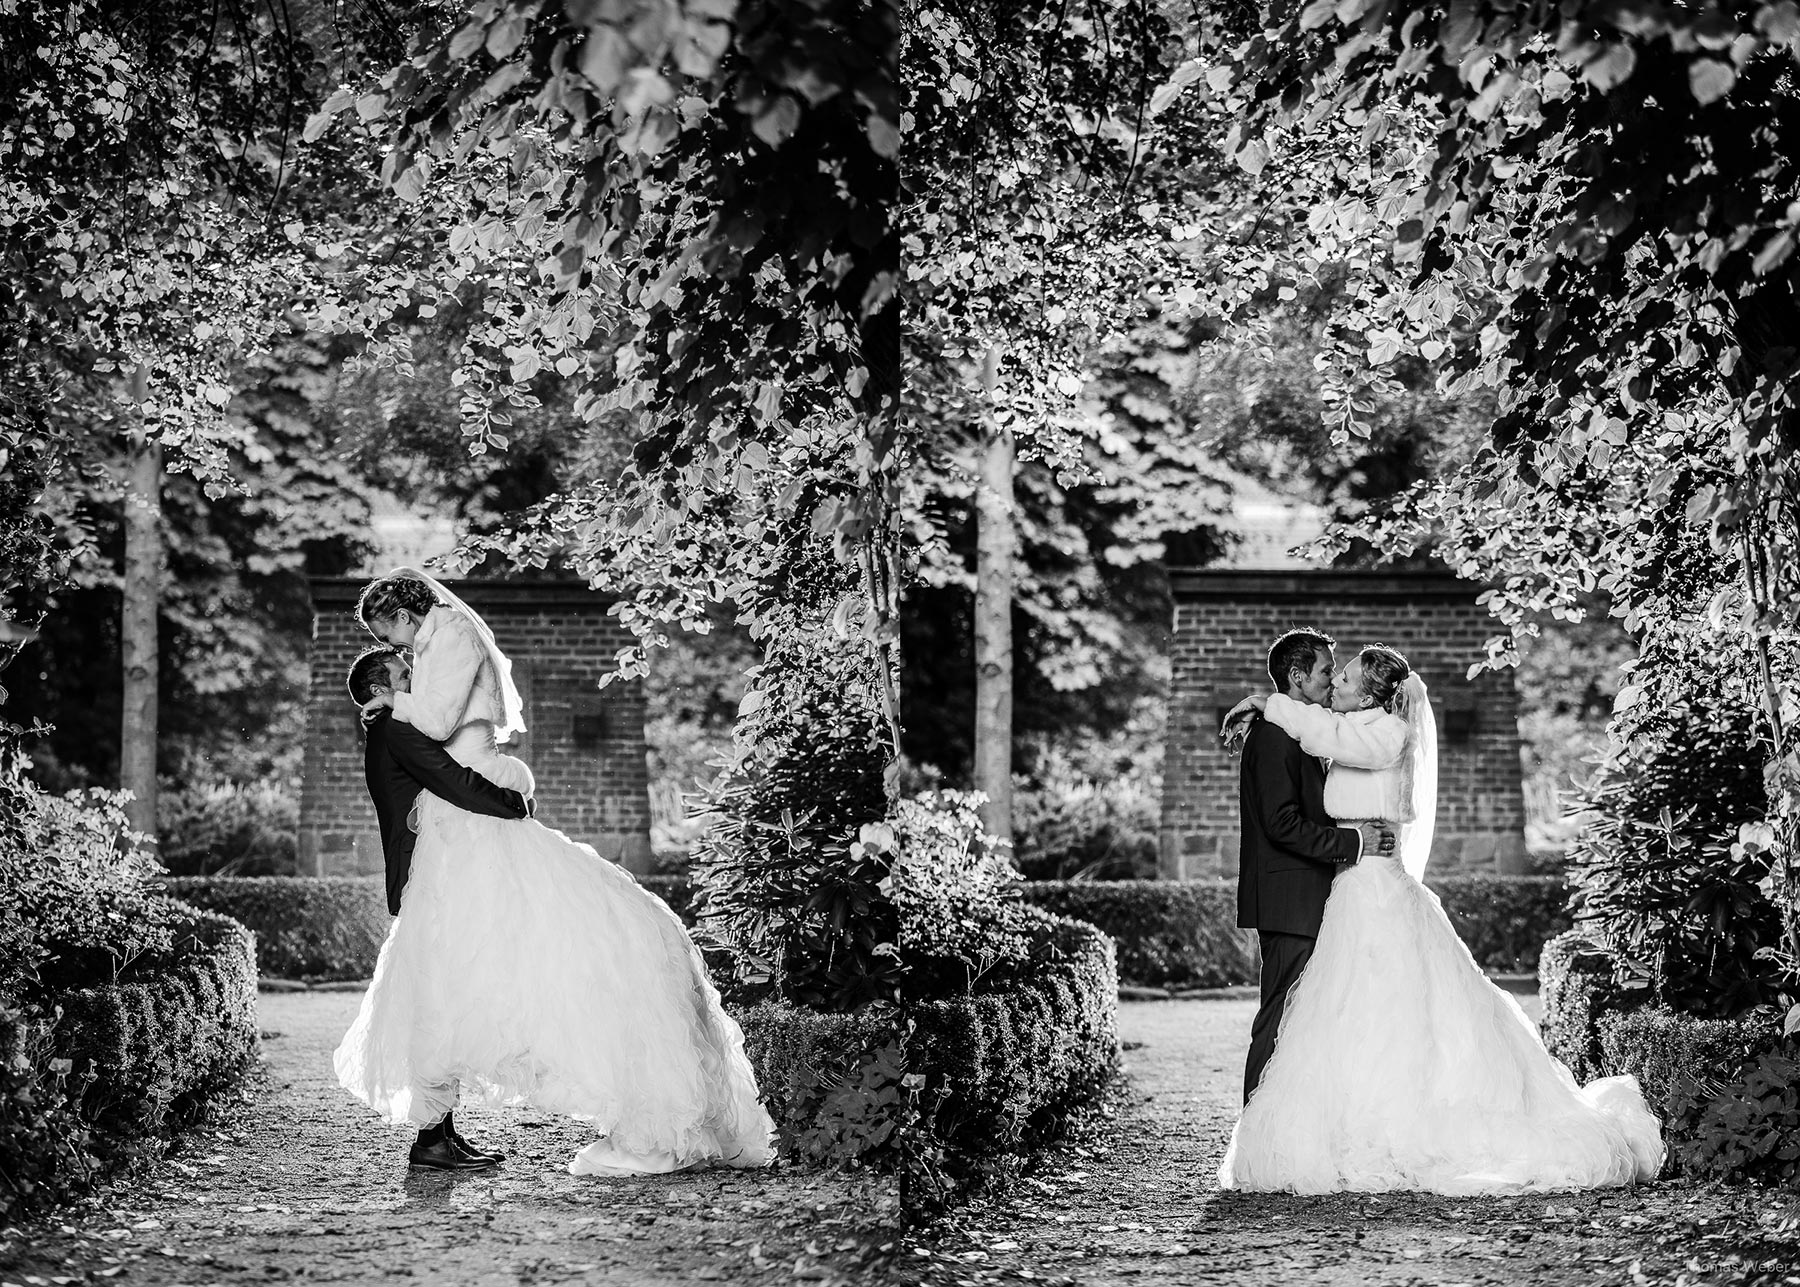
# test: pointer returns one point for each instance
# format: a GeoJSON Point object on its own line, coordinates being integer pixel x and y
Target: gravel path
{"type": "Point", "coordinates": [300, 1181]}
{"type": "Point", "coordinates": [1138, 1204]}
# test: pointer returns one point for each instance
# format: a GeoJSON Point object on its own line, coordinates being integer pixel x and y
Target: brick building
{"type": "Point", "coordinates": [584, 744]}
{"type": "Point", "coordinates": [1223, 624]}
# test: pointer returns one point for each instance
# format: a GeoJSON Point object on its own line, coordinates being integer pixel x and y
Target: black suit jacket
{"type": "Point", "coordinates": [1288, 851]}
{"type": "Point", "coordinates": [399, 762]}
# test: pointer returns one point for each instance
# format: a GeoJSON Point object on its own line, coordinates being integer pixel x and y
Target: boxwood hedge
{"type": "Point", "coordinates": [93, 1073]}
{"type": "Point", "coordinates": [1724, 1088]}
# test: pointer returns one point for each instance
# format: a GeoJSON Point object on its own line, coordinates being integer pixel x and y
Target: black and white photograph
{"type": "Point", "coordinates": [900, 643]}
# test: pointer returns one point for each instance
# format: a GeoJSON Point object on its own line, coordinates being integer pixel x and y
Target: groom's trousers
{"type": "Point", "coordinates": [1284, 957]}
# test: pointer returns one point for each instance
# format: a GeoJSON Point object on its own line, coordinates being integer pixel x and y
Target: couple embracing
{"type": "Point", "coordinates": [1381, 1057]}
{"type": "Point", "coordinates": [522, 968]}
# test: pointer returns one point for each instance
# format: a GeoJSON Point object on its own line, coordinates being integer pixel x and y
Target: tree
{"type": "Point", "coordinates": [691, 219]}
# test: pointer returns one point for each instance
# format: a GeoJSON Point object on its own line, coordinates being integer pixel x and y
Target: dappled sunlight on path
{"type": "Point", "coordinates": [302, 1181]}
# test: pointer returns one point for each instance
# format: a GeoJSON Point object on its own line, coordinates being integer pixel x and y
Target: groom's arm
{"type": "Point", "coordinates": [1274, 769]}
{"type": "Point", "coordinates": [433, 768]}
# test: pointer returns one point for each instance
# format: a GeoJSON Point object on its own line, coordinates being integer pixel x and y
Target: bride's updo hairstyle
{"type": "Point", "coordinates": [385, 596]}
{"type": "Point", "coordinates": [1383, 671]}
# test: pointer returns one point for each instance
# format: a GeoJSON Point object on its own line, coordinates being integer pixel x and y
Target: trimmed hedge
{"type": "Point", "coordinates": [1659, 1046]}
{"type": "Point", "coordinates": [813, 1071]}
{"type": "Point", "coordinates": [306, 927]}
{"type": "Point", "coordinates": [1166, 933]}
{"type": "Point", "coordinates": [1004, 1067]}
{"type": "Point", "coordinates": [93, 1076]}
{"type": "Point", "coordinates": [1575, 983]}
{"type": "Point", "coordinates": [157, 1045]}
{"type": "Point", "coordinates": [328, 927]}
{"type": "Point", "coordinates": [1724, 1088]}
{"type": "Point", "coordinates": [1184, 933]}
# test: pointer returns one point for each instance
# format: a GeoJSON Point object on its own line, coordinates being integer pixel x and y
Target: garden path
{"type": "Point", "coordinates": [299, 1181]}
{"type": "Point", "coordinates": [1138, 1205]}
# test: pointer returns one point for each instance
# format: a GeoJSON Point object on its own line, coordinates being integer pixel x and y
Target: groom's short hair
{"type": "Point", "coordinates": [369, 669]}
{"type": "Point", "coordinates": [1297, 648]}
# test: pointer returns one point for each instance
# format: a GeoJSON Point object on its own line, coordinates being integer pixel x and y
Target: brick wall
{"type": "Point", "coordinates": [1224, 623]}
{"type": "Point", "coordinates": [585, 745]}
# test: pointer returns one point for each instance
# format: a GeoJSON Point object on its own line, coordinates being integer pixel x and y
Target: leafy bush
{"type": "Point", "coordinates": [95, 1072]}
{"type": "Point", "coordinates": [44, 1145]}
{"type": "Point", "coordinates": [1504, 920]}
{"type": "Point", "coordinates": [1067, 825]}
{"type": "Point", "coordinates": [1662, 1048]}
{"type": "Point", "coordinates": [1000, 1071]}
{"type": "Point", "coordinates": [825, 1079]}
{"type": "Point", "coordinates": [1660, 880]}
{"type": "Point", "coordinates": [228, 828]}
{"type": "Point", "coordinates": [1745, 1130]}
{"type": "Point", "coordinates": [781, 883]}
{"type": "Point", "coordinates": [79, 902]}
{"type": "Point", "coordinates": [156, 1046]}
{"type": "Point", "coordinates": [956, 895]}
{"type": "Point", "coordinates": [1724, 1088]}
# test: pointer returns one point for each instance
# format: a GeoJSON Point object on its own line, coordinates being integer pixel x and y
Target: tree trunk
{"type": "Point", "coordinates": [996, 541]}
{"type": "Point", "coordinates": [143, 597]}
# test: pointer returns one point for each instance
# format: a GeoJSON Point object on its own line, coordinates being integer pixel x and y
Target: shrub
{"type": "Point", "coordinates": [955, 894]}
{"type": "Point", "coordinates": [89, 1077]}
{"type": "Point", "coordinates": [1662, 1048]}
{"type": "Point", "coordinates": [45, 1156]}
{"type": "Point", "coordinates": [1167, 933]}
{"type": "Point", "coordinates": [1001, 1070]}
{"type": "Point", "coordinates": [1073, 827]}
{"type": "Point", "coordinates": [1505, 920]}
{"type": "Point", "coordinates": [1575, 983]}
{"type": "Point", "coordinates": [306, 927]}
{"type": "Point", "coordinates": [155, 1046]}
{"type": "Point", "coordinates": [228, 828]}
{"type": "Point", "coordinates": [80, 904]}
{"type": "Point", "coordinates": [831, 1081]}
{"type": "Point", "coordinates": [1660, 881]}
{"type": "Point", "coordinates": [1747, 1129]}
{"type": "Point", "coordinates": [1724, 1088]}
{"type": "Point", "coordinates": [781, 884]}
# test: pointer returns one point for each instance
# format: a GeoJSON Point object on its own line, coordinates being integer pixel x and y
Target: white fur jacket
{"type": "Point", "coordinates": [1371, 774]}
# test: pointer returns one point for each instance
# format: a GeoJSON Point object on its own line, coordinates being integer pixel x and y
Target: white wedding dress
{"type": "Point", "coordinates": [524, 968]}
{"type": "Point", "coordinates": [1400, 1066]}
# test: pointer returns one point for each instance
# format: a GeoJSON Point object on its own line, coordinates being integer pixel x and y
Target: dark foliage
{"type": "Point", "coordinates": [781, 885]}
{"type": "Point", "coordinates": [1001, 1071]}
{"type": "Point", "coordinates": [1658, 877]}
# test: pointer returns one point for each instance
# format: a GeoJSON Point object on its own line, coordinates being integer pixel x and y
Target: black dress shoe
{"type": "Point", "coordinates": [489, 1154]}
{"type": "Point", "coordinates": [443, 1155]}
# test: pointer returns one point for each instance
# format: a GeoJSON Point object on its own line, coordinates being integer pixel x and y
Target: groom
{"type": "Point", "coordinates": [1289, 850]}
{"type": "Point", "coordinates": [399, 762]}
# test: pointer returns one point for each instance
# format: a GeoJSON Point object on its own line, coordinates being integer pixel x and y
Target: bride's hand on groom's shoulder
{"type": "Point", "coordinates": [376, 704]}
{"type": "Point", "coordinates": [1236, 725]}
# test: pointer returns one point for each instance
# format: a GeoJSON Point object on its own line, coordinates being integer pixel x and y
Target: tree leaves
{"type": "Point", "coordinates": [1710, 79]}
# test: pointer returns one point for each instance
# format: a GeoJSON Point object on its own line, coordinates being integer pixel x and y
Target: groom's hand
{"type": "Point", "coordinates": [1377, 838]}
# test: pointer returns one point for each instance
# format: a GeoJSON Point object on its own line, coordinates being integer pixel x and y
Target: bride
{"type": "Point", "coordinates": [523, 967]}
{"type": "Point", "coordinates": [1398, 1065]}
